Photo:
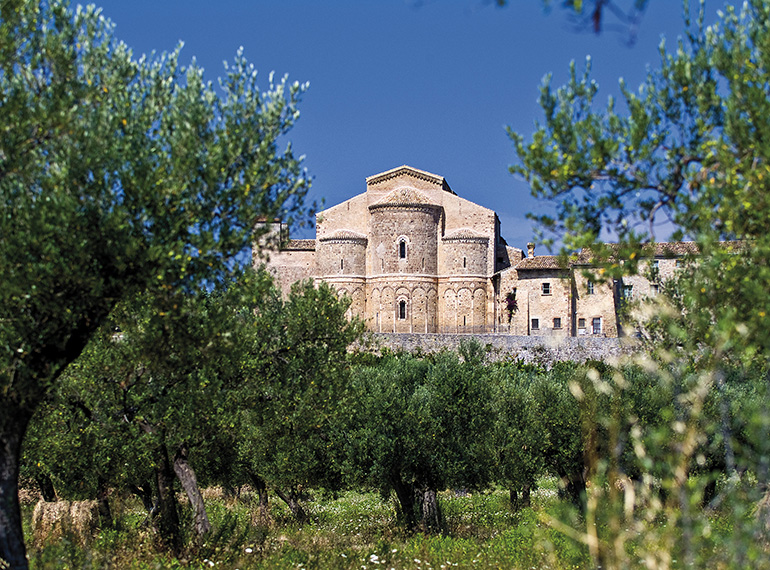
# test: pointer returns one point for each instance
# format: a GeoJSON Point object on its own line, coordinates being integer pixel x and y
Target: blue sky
{"type": "Point", "coordinates": [432, 84]}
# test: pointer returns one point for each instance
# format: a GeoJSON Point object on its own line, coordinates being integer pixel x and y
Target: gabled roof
{"type": "Point", "coordinates": [405, 170]}
{"type": "Point", "coordinates": [659, 249]}
{"type": "Point", "coordinates": [539, 262]}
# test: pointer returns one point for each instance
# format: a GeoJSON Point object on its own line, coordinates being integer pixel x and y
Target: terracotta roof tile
{"type": "Point", "coordinates": [539, 262]}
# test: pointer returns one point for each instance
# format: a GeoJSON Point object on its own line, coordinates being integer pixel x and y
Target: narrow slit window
{"type": "Point", "coordinates": [402, 310]}
{"type": "Point", "coordinates": [464, 262]}
{"type": "Point", "coordinates": [342, 264]}
{"type": "Point", "coordinates": [402, 249]}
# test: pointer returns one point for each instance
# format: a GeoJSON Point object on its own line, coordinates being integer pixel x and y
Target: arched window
{"type": "Point", "coordinates": [402, 310]}
{"type": "Point", "coordinates": [402, 249]}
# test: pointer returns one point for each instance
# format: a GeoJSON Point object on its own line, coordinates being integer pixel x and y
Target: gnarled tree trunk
{"type": "Point", "coordinates": [13, 426]}
{"type": "Point", "coordinates": [145, 495]}
{"type": "Point", "coordinates": [263, 511]}
{"type": "Point", "coordinates": [292, 501]}
{"type": "Point", "coordinates": [430, 512]}
{"type": "Point", "coordinates": [167, 516]}
{"type": "Point", "coordinates": [45, 485]}
{"type": "Point", "coordinates": [405, 495]}
{"type": "Point", "coordinates": [189, 483]}
{"type": "Point", "coordinates": [102, 498]}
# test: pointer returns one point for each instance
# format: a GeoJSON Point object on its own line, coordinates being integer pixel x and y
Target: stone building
{"type": "Point", "coordinates": [414, 257]}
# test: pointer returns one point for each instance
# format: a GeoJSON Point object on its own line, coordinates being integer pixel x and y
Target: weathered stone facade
{"type": "Point", "coordinates": [416, 258]}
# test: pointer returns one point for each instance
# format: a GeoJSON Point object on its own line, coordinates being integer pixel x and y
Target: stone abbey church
{"type": "Point", "coordinates": [414, 257]}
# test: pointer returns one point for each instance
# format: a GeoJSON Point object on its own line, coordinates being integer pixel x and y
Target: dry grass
{"type": "Point", "coordinates": [78, 520]}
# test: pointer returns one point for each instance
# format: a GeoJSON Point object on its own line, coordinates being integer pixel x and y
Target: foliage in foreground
{"type": "Point", "coordinates": [118, 175]}
{"type": "Point", "coordinates": [689, 146]}
{"type": "Point", "coordinates": [646, 463]}
{"type": "Point", "coordinates": [360, 529]}
{"type": "Point", "coordinates": [350, 531]}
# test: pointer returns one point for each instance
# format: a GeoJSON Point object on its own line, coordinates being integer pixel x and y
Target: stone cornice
{"type": "Point", "coordinates": [345, 236]}
{"type": "Point", "coordinates": [466, 239]}
{"type": "Point", "coordinates": [342, 278]}
{"type": "Point", "coordinates": [466, 235]}
{"type": "Point", "coordinates": [395, 277]}
{"type": "Point", "coordinates": [407, 207]}
{"type": "Point", "coordinates": [457, 278]}
{"type": "Point", "coordinates": [398, 278]}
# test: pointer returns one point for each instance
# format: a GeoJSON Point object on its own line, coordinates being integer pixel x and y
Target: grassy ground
{"type": "Point", "coordinates": [354, 530]}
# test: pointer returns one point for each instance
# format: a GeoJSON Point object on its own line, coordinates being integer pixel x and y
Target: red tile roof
{"type": "Point", "coordinates": [540, 262]}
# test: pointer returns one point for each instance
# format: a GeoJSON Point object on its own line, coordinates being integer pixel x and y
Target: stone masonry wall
{"type": "Point", "coordinates": [529, 349]}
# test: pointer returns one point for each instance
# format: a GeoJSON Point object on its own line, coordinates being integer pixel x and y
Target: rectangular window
{"type": "Point", "coordinates": [628, 292]}
{"type": "Point", "coordinates": [557, 323]}
{"type": "Point", "coordinates": [581, 326]}
{"type": "Point", "coordinates": [596, 325]}
{"type": "Point", "coordinates": [590, 287]}
{"type": "Point", "coordinates": [535, 324]}
{"type": "Point", "coordinates": [546, 288]}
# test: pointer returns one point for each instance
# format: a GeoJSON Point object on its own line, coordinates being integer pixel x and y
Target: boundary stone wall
{"type": "Point", "coordinates": [540, 350]}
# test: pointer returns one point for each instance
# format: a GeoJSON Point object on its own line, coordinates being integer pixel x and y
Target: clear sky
{"type": "Point", "coordinates": [429, 83]}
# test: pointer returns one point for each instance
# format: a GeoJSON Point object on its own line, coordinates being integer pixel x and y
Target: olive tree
{"type": "Point", "coordinates": [117, 174]}
{"type": "Point", "coordinates": [294, 381]}
{"type": "Point", "coordinates": [418, 426]}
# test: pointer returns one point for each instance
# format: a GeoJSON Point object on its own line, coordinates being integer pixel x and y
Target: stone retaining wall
{"type": "Point", "coordinates": [503, 346]}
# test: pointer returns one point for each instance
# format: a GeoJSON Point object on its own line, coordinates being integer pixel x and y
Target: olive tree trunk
{"type": "Point", "coordinates": [292, 501]}
{"type": "Point", "coordinates": [13, 425]}
{"type": "Point", "coordinates": [263, 511]}
{"type": "Point", "coordinates": [189, 482]}
{"type": "Point", "coordinates": [167, 515]}
{"type": "Point", "coordinates": [430, 512]}
{"type": "Point", "coordinates": [46, 488]}
{"type": "Point", "coordinates": [406, 495]}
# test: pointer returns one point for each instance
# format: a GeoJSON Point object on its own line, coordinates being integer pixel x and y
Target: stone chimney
{"type": "Point", "coordinates": [530, 249]}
